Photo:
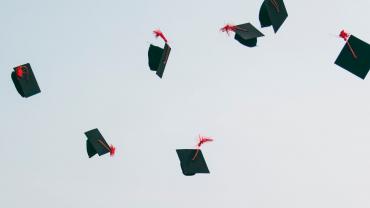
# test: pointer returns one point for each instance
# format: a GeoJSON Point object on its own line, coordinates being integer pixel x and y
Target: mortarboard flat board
{"type": "Point", "coordinates": [158, 58]}
{"type": "Point", "coordinates": [355, 57]}
{"type": "Point", "coordinates": [96, 143]}
{"type": "Point", "coordinates": [247, 34]}
{"type": "Point", "coordinates": [273, 12]}
{"type": "Point", "coordinates": [25, 80]}
{"type": "Point", "coordinates": [192, 162]}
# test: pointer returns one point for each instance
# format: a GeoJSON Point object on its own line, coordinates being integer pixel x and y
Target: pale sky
{"type": "Point", "coordinates": [291, 129]}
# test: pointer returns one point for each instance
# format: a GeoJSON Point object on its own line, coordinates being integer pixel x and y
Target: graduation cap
{"type": "Point", "coordinates": [96, 143]}
{"type": "Point", "coordinates": [25, 81]}
{"type": "Point", "coordinates": [273, 12]}
{"type": "Point", "coordinates": [158, 56]}
{"type": "Point", "coordinates": [246, 34]}
{"type": "Point", "coordinates": [355, 55]}
{"type": "Point", "coordinates": [192, 160]}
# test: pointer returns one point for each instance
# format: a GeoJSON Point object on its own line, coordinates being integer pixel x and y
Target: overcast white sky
{"type": "Point", "coordinates": [291, 129]}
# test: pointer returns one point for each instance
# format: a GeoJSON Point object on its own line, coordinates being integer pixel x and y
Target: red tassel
{"type": "Point", "coordinates": [343, 34]}
{"type": "Point", "coordinates": [228, 28]}
{"type": "Point", "coordinates": [19, 71]}
{"type": "Point", "coordinates": [202, 140]}
{"type": "Point", "coordinates": [112, 150]}
{"type": "Point", "coordinates": [158, 33]}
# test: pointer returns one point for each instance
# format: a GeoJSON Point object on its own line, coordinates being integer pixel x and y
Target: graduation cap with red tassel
{"type": "Point", "coordinates": [192, 160]}
{"type": "Point", "coordinates": [96, 143]}
{"type": "Point", "coordinates": [355, 55]}
{"type": "Point", "coordinates": [158, 56]}
{"type": "Point", "coordinates": [246, 33]}
{"type": "Point", "coordinates": [25, 81]}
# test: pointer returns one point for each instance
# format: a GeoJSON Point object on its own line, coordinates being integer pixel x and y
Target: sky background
{"type": "Point", "coordinates": [291, 129]}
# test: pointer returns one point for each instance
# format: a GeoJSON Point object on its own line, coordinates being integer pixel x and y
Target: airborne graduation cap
{"type": "Point", "coordinates": [273, 12]}
{"type": "Point", "coordinates": [246, 34]}
{"type": "Point", "coordinates": [158, 56]}
{"type": "Point", "coordinates": [25, 81]}
{"type": "Point", "coordinates": [96, 144]}
{"type": "Point", "coordinates": [192, 160]}
{"type": "Point", "coordinates": [355, 55]}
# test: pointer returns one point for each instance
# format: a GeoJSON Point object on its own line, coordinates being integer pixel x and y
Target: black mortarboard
{"type": "Point", "coordinates": [247, 34]}
{"type": "Point", "coordinates": [158, 58]}
{"type": "Point", "coordinates": [96, 143]}
{"type": "Point", "coordinates": [192, 161]}
{"type": "Point", "coordinates": [273, 12]}
{"type": "Point", "coordinates": [25, 81]}
{"type": "Point", "coordinates": [355, 57]}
